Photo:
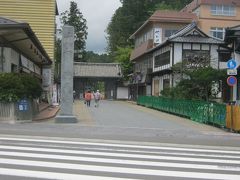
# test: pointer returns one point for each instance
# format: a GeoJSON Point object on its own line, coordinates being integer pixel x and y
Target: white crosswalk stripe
{"type": "Point", "coordinates": [74, 159]}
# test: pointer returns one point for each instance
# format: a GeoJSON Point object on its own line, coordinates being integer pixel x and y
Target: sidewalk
{"type": "Point", "coordinates": [48, 113]}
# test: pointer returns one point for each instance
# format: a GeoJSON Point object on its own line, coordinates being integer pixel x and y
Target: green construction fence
{"type": "Point", "coordinates": [199, 111]}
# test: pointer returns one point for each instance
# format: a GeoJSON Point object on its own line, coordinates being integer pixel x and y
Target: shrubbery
{"type": "Point", "coordinates": [15, 86]}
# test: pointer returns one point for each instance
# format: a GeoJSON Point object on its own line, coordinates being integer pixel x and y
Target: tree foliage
{"type": "Point", "coordinates": [57, 62]}
{"type": "Point", "coordinates": [122, 57]}
{"type": "Point", "coordinates": [14, 86]}
{"type": "Point", "coordinates": [75, 18]}
{"type": "Point", "coordinates": [90, 56]}
{"type": "Point", "coordinates": [198, 80]}
{"type": "Point", "coordinates": [133, 13]}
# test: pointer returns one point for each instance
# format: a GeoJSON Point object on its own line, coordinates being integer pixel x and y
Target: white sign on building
{"type": "Point", "coordinates": [46, 77]}
{"type": "Point", "coordinates": [158, 35]}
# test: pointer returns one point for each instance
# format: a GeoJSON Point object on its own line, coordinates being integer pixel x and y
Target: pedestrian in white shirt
{"type": "Point", "coordinates": [97, 97]}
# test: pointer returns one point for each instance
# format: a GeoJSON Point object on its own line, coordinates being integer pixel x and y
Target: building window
{"type": "Point", "coordinates": [217, 32]}
{"type": "Point", "coordinates": [166, 84]}
{"type": "Point", "coordinates": [14, 68]}
{"type": "Point", "coordinates": [223, 10]}
{"type": "Point", "coordinates": [196, 58]}
{"type": "Point", "coordinates": [169, 32]}
{"type": "Point", "coordinates": [162, 59]}
{"type": "Point", "coordinates": [224, 56]}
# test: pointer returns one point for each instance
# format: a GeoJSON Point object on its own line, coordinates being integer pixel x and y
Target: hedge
{"type": "Point", "coordinates": [15, 86]}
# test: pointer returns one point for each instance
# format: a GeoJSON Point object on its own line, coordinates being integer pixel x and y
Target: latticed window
{"type": "Point", "coordinates": [223, 10]}
{"type": "Point", "coordinates": [217, 32]}
{"type": "Point", "coordinates": [162, 59]}
{"type": "Point", "coordinates": [196, 58]}
{"type": "Point", "coordinates": [169, 32]}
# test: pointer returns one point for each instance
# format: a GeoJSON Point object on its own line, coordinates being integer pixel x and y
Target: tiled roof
{"type": "Point", "coordinates": [172, 16]}
{"type": "Point", "coordinates": [234, 28]}
{"type": "Point", "coordinates": [184, 35]}
{"type": "Point", "coordinates": [185, 30]}
{"type": "Point", "coordinates": [141, 49]}
{"type": "Point", "coordinates": [195, 3]}
{"type": "Point", "coordinates": [190, 34]}
{"type": "Point", "coordinates": [104, 70]}
{"type": "Point", "coordinates": [202, 40]}
{"type": "Point", "coordinates": [168, 17]}
{"type": "Point", "coordinates": [232, 33]}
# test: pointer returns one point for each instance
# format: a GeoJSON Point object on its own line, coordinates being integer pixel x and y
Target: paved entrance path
{"type": "Point", "coordinates": [129, 115]}
{"type": "Point", "coordinates": [118, 120]}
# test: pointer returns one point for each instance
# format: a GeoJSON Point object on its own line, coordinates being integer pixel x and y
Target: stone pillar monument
{"type": "Point", "coordinates": [66, 110]}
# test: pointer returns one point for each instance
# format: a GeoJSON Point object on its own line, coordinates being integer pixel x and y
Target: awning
{"type": "Point", "coordinates": [20, 37]}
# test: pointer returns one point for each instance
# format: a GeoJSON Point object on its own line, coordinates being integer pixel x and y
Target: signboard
{"type": "Point", "coordinates": [231, 80]}
{"type": "Point", "coordinates": [46, 77]}
{"type": "Point", "coordinates": [23, 105]}
{"type": "Point", "coordinates": [231, 64]}
{"type": "Point", "coordinates": [157, 35]}
{"type": "Point", "coordinates": [231, 72]}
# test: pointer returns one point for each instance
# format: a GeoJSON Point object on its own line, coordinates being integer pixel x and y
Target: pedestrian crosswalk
{"type": "Point", "coordinates": [62, 158]}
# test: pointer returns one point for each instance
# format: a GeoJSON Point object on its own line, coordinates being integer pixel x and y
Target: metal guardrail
{"type": "Point", "coordinates": [199, 111]}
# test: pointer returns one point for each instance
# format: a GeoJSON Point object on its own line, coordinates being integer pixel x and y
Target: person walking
{"type": "Point", "coordinates": [74, 95]}
{"type": "Point", "coordinates": [97, 97]}
{"type": "Point", "coordinates": [88, 97]}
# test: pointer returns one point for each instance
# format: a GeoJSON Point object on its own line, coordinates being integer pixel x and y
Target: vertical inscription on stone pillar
{"type": "Point", "coordinates": [66, 112]}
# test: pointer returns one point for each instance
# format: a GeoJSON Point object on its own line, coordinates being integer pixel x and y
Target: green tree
{"type": "Point", "coordinates": [90, 56]}
{"type": "Point", "coordinates": [133, 13]}
{"type": "Point", "coordinates": [198, 80]}
{"type": "Point", "coordinates": [75, 18]}
{"type": "Point", "coordinates": [125, 21]}
{"type": "Point", "coordinates": [57, 62]}
{"type": "Point", "coordinates": [122, 57]}
{"type": "Point", "coordinates": [15, 86]}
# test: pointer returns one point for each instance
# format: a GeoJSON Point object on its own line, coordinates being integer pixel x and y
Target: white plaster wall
{"type": "Point", "coordinates": [6, 59]}
{"type": "Point", "coordinates": [177, 53]}
{"type": "Point", "coordinates": [148, 90]}
{"type": "Point", "coordinates": [160, 84]}
{"type": "Point", "coordinates": [237, 58]}
{"type": "Point", "coordinates": [122, 93]}
{"type": "Point", "coordinates": [10, 57]}
{"type": "Point", "coordinates": [214, 56]}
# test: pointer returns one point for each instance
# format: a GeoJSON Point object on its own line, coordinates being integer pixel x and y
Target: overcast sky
{"type": "Point", "coordinates": [98, 14]}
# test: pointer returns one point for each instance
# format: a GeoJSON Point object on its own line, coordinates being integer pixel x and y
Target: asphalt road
{"type": "Point", "coordinates": [116, 120]}
{"type": "Point", "coordinates": [118, 140]}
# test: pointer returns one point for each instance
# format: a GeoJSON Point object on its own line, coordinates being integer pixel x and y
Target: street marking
{"type": "Point", "coordinates": [124, 145]}
{"type": "Point", "coordinates": [125, 160]}
{"type": "Point", "coordinates": [135, 171]}
{"type": "Point", "coordinates": [199, 154]}
{"type": "Point", "coordinates": [53, 175]}
{"type": "Point", "coordinates": [122, 161]}
{"type": "Point", "coordinates": [109, 154]}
